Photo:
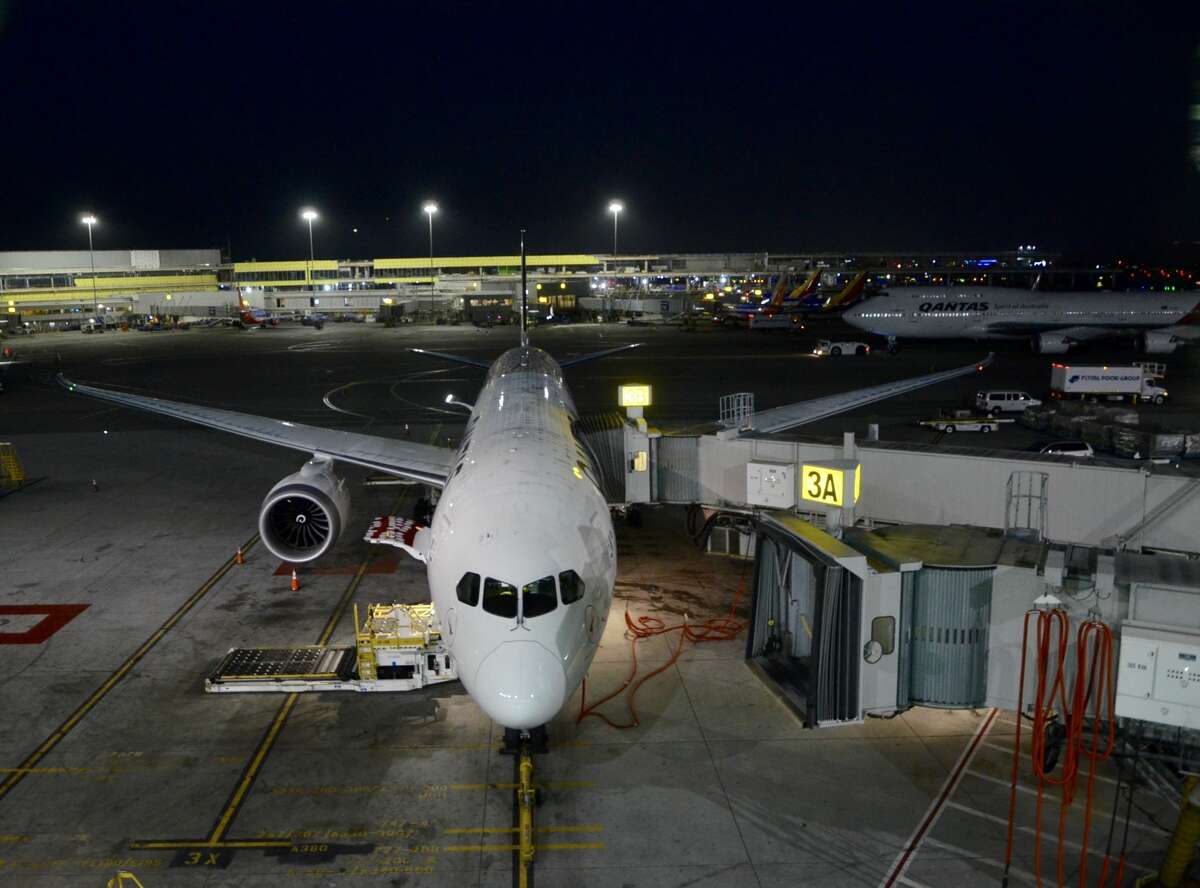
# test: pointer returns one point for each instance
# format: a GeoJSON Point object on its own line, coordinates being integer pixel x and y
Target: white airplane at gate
{"type": "Point", "coordinates": [1052, 322]}
{"type": "Point", "coordinates": [521, 554]}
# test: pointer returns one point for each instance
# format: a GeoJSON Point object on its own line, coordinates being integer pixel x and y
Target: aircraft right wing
{"type": "Point", "coordinates": [421, 462]}
{"type": "Point", "coordinates": [779, 419]}
{"type": "Point", "coordinates": [571, 362]}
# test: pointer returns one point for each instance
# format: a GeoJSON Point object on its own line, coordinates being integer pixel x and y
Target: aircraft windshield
{"type": "Point", "coordinates": [499, 598]}
{"type": "Point", "coordinates": [539, 597]}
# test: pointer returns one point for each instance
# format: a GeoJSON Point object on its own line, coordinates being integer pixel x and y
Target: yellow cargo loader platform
{"type": "Point", "coordinates": [397, 648]}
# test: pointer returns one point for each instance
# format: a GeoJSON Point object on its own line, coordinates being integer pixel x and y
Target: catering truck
{"type": "Point", "coordinates": [1111, 383]}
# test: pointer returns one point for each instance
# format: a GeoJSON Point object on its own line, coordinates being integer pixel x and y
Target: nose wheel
{"type": "Point", "coordinates": [523, 746]}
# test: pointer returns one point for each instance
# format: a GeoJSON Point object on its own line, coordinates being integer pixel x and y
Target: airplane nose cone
{"type": "Point", "coordinates": [520, 685]}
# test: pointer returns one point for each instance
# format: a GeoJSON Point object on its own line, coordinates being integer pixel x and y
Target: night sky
{"type": "Point", "coordinates": [722, 127]}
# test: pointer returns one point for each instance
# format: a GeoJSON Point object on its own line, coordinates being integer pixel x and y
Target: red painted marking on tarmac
{"type": "Point", "coordinates": [55, 617]}
{"type": "Point", "coordinates": [377, 566]}
{"type": "Point", "coordinates": [948, 788]}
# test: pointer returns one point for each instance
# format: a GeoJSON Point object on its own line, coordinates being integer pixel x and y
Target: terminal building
{"type": "Point", "coordinates": [67, 288]}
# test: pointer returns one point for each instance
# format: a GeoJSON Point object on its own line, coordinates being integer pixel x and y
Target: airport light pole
{"type": "Point", "coordinates": [89, 220]}
{"type": "Point", "coordinates": [615, 208]}
{"type": "Point", "coordinates": [309, 215]}
{"type": "Point", "coordinates": [429, 209]}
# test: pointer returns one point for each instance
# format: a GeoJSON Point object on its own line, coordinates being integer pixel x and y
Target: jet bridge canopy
{"type": "Point", "coordinates": [805, 618]}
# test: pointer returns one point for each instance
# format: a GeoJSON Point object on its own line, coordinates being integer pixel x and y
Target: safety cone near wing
{"type": "Point", "coordinates": [239, 558]}
{"type": "Point", "coordinates": [295, 581]}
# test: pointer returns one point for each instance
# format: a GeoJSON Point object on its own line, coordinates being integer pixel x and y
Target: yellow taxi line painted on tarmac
{"type": "Point", "coordinates": [18, 774]}
{"type": "Point", "coordinates": [506, 849]}
{"type": "Point", "coordinates": [183, 844]}
{"type": "Point", "coordinates": [250, 774]}
{"type": "Point", "coordinates": [580, 828]}
{"type": "Point", "coordinates": [549, 784]}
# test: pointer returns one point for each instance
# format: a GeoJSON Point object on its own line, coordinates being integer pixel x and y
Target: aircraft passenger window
{"type": "Point", "coordinates": [571, 585]}
{"type": "Point", "coordinates": [538, 597]}
{"type": "Point", "coordinates": [499, 598]}
{"type": "Point", "coordinates": [468, 589]}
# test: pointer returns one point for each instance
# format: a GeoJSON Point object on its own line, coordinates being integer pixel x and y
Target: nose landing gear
{"type": "Point", "coordinates": [523, 746]}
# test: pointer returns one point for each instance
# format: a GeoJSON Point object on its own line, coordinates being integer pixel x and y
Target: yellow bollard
{"type": "Point", "coordinates": [1183, 840]}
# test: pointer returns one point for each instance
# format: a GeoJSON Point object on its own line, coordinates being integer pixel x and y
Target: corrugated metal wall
{"type": "Point", "coordinates": [603, 435]}
{"type": "Point", "coordinates": [676, 469]}
{"type": "Point", "coordinates": [948, 636]}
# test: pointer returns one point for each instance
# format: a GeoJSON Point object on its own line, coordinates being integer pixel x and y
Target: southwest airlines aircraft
{"type": "Point", "coordinates": [520, 552]}
{"type": "Point", "coordinates": [1052, 322]}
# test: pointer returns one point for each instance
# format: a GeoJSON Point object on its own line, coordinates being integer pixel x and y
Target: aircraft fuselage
{"type": "Point", "coordinates": [521, 510]}
{"type": "Point", "coordinates": [1010, 313]}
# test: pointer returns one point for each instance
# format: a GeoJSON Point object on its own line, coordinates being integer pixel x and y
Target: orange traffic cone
{"type": "Point", "coordinates": [295, 581]}
{"type": "Point", "coordinates": [239, 558]}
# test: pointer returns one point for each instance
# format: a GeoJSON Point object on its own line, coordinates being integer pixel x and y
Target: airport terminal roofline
{"type": "Point", "coordinates": [77, 261]}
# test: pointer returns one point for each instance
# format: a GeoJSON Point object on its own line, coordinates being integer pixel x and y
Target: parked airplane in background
{"type": "Point", "coordinates": [257, 317]}
{"type": "Point", "coordinates": [786, 295]}
{"type": "Point", "coordinates": [520, 551]}
{"type": "Point", "coordinates": [1052, 322]}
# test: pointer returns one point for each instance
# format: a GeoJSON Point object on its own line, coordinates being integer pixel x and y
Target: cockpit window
{"type": "Point", "coordinates": [538, 597]}
{"type": "Point", "coordinates": [468, 589]}
{"type": "Point", "coordinates": [571, 585]}
{"type": "Point", "coordinates": [499, 598]}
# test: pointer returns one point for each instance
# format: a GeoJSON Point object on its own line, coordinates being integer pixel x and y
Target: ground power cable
{"type": "Point", "coordinates": [1091, 701]}
{"type": "Point", "coordinates": [1046, 622]}
{"type": "Point", "coordinates": [722, 628]}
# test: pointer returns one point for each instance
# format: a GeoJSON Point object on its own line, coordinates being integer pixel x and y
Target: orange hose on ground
{"type": "Point", "coordinates": [714, 629]}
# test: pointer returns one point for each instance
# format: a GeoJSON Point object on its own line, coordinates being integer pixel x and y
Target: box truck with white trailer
{"type": "Point", "coordinates": [1108, 382]}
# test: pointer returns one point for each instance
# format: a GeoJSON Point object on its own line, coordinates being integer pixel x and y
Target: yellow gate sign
{"type": "Point", "coordinates": [830, 483]}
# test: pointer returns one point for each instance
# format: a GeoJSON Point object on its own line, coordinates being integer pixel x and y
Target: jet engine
{"type": "Point", "coordinates": [1049, 344]}
{"type": "Point", "coordinates": [305, 513]}
{"type": "Point", "coordinates": [1158, 343]}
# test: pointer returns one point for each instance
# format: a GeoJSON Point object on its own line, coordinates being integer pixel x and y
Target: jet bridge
{"type": "Point", "coordinates": [805, 618]}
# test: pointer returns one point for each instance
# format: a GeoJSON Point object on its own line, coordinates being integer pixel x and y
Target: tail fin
{"type": "Point", "coordinates": [524, 293]}
{"type": "Point", "coordinates": [781, 288]}
{"type": "Point", "coordinates": [806, 288]}
{"type": "Point", "coordinates": [848, 293]}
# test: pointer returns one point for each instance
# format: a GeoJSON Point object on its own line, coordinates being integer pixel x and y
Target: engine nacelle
{"type": "Point", "coordinates": [304, 514]}
{"type": "Point", "coordinates": [1158, 343]}
{"type": "Point", "coordinates": [1049, 344]}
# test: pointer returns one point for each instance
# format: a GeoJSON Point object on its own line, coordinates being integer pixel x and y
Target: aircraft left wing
{"type": "Point", "coordinates": [779, 419]}
{"type": "Point", "coordinates": [421, 462]}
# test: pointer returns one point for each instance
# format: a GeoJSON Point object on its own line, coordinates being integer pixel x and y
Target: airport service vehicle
{"type": "Point", "coordinates": [520, 550]}
{"type": "Point", "coordinates": [827, 347]}
{"type": "Point", "coordinates": [782, 321]}
{"type": "Point", "coordinates": [950, 425]}
{"type": "Point", "coordinates": [1051, 322]}
{"type": "Point", "coordinates": [1112, 383]}
{"type": "Point", "coordinates": [1069, 448]}
{"type": "Point", "coordinates": [314, 320]}
{"type": "Point", "coordinates": [994, 402]}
